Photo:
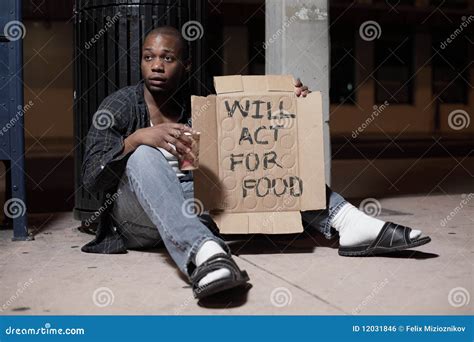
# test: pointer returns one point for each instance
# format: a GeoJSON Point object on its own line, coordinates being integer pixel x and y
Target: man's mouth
{"type": "Point", "coordinates": [157, 80]}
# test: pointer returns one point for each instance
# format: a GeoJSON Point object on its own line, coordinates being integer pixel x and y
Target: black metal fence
{"type": "Point", "coordinates": [108, 38]}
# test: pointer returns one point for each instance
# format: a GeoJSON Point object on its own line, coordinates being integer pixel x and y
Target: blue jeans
{"type": "Point", "coordinates": [152, 208]}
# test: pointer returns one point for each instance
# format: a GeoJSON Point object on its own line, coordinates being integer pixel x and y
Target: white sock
{"type": "Point", "coordinates": [356, 227]}
{"type": "Point", "coordinates": [207, 250]}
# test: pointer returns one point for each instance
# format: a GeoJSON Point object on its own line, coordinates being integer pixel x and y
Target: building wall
{"type": "Point", "coordinates": [48, 76]}
{"type": "Point", "coordinates": [48, 84]}
{"type": "Point", "coordinates": [427, 113]}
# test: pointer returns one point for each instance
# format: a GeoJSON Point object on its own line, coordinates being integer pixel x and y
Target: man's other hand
{"type": "Point", "coordinates": [300, 89]}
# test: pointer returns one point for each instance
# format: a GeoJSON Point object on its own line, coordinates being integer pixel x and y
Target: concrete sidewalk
{"type": "Point", "coordinates": [289, 274]}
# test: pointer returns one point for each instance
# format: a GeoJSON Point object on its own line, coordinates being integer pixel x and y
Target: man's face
{"type": "Point", "coordinates": [162, 67]}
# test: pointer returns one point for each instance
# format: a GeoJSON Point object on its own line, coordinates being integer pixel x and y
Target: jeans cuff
{"type": "Point", "coordinates": [330, 232]}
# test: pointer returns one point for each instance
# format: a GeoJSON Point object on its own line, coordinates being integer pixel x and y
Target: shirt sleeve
{"type": "Point", "coordinates": [103, 163]}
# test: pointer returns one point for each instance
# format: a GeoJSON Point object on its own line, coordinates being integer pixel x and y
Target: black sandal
{"type": "Point", "coordinates": [218, 261]}
{"type": "Point", "coordinates": [392, 238]}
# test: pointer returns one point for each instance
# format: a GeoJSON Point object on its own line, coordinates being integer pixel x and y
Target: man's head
{"type": "Point", "coordinates": [165, 60]}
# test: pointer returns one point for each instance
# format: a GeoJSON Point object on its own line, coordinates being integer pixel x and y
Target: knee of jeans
{"type": "Point", "coordinates": [143, 155]}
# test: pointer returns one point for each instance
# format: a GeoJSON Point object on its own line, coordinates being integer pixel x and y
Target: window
{"type": "Point", "coordinates": [342, 75]}
{"type": "Point", "coordinates": [256, 41]}
{"type": "Point", "coordinates": [450, 72]}
{"type": "Point", "coordinates": [450, 3]}
{"type": "Point", "coordinates": [394, 67]}
{"type": "Point", "coordinates": [395, 3]}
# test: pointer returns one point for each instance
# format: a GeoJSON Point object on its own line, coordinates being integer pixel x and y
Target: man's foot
{"type": "Point", "coordinates": [391, 238]}
{"type": "Point", "coordinates": [216, 271]}
{"type": "Point", "coordinates": [357, 228]}
{"type": "Point", "coordinates": [207, 250]}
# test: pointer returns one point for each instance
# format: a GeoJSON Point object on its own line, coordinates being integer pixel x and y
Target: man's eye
{"type": "Point", "coordinates": [148, 58]}
{"type": "Point", "coordinates": [169, 58]}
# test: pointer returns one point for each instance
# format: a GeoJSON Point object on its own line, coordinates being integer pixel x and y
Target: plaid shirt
{"type": "Point", "coordinates": [119, 115]}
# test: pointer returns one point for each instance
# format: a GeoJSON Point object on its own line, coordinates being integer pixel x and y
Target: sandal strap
{"type": "Point", "coordinates": [214, 263]}
{"type": "Point", "coordinates": [391, 235]}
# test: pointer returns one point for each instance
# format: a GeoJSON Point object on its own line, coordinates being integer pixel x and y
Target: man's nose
{"type": "Point", "coordinates": [158, 66]}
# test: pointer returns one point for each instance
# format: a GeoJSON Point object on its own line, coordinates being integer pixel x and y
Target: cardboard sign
{"type": "Point", "coordinates": [261, 154]}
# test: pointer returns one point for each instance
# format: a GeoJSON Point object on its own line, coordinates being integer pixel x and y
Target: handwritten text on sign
{"type": "Point", "coordinates": [263, 186]}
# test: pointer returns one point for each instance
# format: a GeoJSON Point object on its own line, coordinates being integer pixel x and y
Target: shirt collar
{"type": "Point", "coordinates": [140, 91]}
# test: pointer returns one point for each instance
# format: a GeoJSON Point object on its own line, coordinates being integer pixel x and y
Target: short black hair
{"type": "Point", "coordinates": [172, 31]}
